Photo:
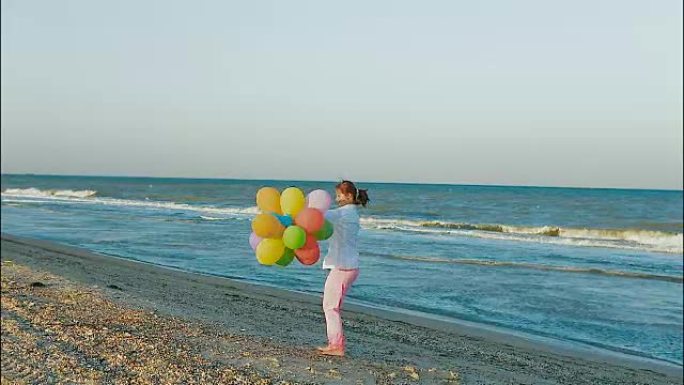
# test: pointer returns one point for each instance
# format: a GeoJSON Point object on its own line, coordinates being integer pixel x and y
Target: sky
{"type": "Point", "coordinates": [577, 93]}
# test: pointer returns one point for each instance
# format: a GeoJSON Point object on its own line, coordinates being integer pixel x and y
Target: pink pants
{"type": "Point", "coordinates": [336, 286]}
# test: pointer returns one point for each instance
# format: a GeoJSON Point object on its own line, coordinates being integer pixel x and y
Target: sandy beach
{"type": "Point", "coordinates": [72, 316]}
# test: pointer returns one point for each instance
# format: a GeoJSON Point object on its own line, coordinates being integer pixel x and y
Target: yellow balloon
{"type": "Point", "coordinates": [268, 200]}
{"type": "Point", "coordinates": [270, 251]}
{"type": "Point", "coordinates": [292, 201]}
{"type": "Point", "coordinates": [267, 226]}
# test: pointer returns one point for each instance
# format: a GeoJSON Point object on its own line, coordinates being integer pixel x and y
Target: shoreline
{"type": "Point", "coordinates": [141, 283]}
{"type": "Point", "coordinates": [474, 329]}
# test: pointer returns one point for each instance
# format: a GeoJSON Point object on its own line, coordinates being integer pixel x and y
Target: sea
{"type": "Point", "coordinates": [586, 266]}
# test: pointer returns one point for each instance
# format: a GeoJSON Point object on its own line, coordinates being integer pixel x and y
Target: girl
{"type": "Point", "coordinates": [342, 261]}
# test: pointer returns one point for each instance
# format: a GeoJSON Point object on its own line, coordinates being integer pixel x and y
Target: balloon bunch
{"type": "Point", "coordinates": [290, 226]}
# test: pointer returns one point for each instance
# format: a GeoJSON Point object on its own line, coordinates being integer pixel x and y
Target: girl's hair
{"type": "Point", "coordinates": [348, 187]}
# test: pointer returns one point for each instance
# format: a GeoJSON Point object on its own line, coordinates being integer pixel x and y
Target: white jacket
{"type": "Point", "coordinates": [342, 248]}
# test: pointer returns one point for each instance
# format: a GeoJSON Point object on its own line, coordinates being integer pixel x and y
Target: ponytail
{"type": "Point", "coordinates": [362, 198]}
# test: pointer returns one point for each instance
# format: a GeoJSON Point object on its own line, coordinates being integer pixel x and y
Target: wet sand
{"type": "Point", "coordinates": [72, 315]}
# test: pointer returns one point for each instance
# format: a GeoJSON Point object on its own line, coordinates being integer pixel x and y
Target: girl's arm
{"type": "Point", "coordinates": [333, 215]}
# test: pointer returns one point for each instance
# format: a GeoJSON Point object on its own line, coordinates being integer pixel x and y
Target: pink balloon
{"type": "Point", "coordinates": [310, 219]}
{"type": "Point", "coordinates": [254, 240]}
{"type": "Point", "coordinates": [319, 199]}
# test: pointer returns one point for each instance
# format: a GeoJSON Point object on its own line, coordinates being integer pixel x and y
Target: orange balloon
{"type": "Point", "coordinates": [268, 200]}
{"type": "Point", "coordinates": [267, 226]}
{"type": "Point", "coordinates": [310, 252]}
{"type": "Point", "coordinates": [310, 219]}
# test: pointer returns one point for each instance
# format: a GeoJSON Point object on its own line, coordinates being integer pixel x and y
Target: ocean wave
{"type": "Point", "coordinates": [37, 193]}
{"type": "Point", "coordinates": [660, 241]}
{"type": "Point", "coordinates": [210, 218]}
{"type": "Point", "coordinates": [536, 266]}
{"type": "Point", "coordinates": [634, 239]}
{"type": "Point", "coordinates": [80, 197]}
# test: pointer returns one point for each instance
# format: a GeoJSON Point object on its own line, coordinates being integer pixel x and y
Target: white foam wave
{"type": "Point", "coordinates": [621, 238]}
{"type": "Point", "coordinates": [41, 196]}
{"type": "Point", "coordinates": [37, 193]}
{"type": "Point", "coordinates": [210, 218]}
{"type": "Point", "coordinates": [663, 240]}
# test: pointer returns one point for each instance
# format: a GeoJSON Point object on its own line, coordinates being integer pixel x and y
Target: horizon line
{"type": "Point", "coordinates": [332, 181]}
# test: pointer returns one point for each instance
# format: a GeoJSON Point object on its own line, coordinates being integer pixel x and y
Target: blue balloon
{"type": "Point", "coordinates": [286, 220]}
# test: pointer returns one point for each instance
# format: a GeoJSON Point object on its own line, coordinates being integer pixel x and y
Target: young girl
{"type": "Point", "coordinates": [342, 260]}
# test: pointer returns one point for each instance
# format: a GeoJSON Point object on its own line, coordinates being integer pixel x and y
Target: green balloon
{"type": "Point", "coordinates": [324, 232]}
{"type": "Point", "coordinates": [294, 237]}
{"type": "Point", "coordinates": [287, 258]}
